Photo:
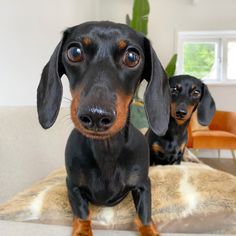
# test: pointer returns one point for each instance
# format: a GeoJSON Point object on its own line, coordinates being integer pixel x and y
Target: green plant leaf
{"type": "Point", "coordinates": [138, 116]}
{"type": "Point", "coordinates": [139, 20]}
{"type": "Point", "coordinates": [171, 67]}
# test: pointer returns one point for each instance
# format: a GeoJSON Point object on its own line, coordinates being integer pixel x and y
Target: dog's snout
{"type": "Point", "coordinates": [96, 118]}
{"type": "Point", "coordinates": [181, 113]}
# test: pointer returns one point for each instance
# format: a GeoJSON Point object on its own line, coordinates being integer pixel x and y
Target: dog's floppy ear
{"type": "Point", "coordinates": [206, 108]}
{"type": "Point", "coordinates": [157, 94]}
{"type": "Point", "coordinates": [49, 93]}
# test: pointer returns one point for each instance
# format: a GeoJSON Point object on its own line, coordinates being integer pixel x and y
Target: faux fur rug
{"type": "Point", "coordinates": [190, 198]}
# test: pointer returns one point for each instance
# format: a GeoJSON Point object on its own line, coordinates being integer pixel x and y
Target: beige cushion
{"type": "Point", "coordinates": [187, 198]}
{"type": "Point", "coordinates": [27, 151]}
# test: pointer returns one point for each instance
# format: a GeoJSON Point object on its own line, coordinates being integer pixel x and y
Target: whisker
{"type": "Point", "coordinates": [70, 126]}
{"type": "Point", "coordinates": [67, 122]}
{"type": "Point", "coordinates": [66, 119]}
{"type": "Point", "coordinates": [66, 116]}
{"type": "Point", "coordinates": [68, 99]}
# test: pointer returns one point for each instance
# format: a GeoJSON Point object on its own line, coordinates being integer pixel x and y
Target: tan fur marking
{"type": "Point", "coordinates": [180, 122]}
{"type": "Point", "coordinates": [156, 148]}
{"type": "Point", "coordinates": [81, 227]}
{"type": "Point", "coordinates": [146, 230]}
{"type": "Point", "coordinates": [173, 109]}
{"type": "Point", "coordinates": [86, 41]}
{"type": "Point", "coordinates": [122, 106]}
{"type": "Point", "coordinates": [179, 86]}
{"type": "Point", "coordinates": [122, 44]}
{"type": "Point", "coordinates": [190, 111]}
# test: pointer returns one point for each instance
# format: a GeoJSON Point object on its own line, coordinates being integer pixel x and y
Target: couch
{"type": "Point", "coordinates": [28, 154]}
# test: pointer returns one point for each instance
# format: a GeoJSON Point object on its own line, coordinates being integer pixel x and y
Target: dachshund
{"type": "Point", "coordinates": [187, 94]}
{"type": "Point", "coordinates": [106, 157]}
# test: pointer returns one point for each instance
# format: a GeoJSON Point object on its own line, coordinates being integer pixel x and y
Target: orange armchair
{"type": "Point", "coordinates": [221, 133]}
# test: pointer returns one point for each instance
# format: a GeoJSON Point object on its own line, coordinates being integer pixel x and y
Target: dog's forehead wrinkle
{"type": "Point", "coordinates": [105, 33]}
{"type": "Point", "coordinates": [104, 53]}
{"type": "Point", "coordinates": [101, 31]}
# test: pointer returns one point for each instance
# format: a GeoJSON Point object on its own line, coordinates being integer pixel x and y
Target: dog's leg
{"type": "Point", "coordinates": [81, 222]}
{"type": "Point", "coordinates": [179, 158]}
{"type": "Point", "coordinates": [142, 202]}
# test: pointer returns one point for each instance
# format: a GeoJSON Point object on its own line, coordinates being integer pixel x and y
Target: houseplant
{"type": "Point", "coordinates": [139, 22]}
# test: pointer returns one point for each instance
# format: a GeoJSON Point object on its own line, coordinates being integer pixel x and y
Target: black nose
{"type": "Point", "coordinates": [96, 118]}
{"type": "Point", "coordinates": [181, 113]}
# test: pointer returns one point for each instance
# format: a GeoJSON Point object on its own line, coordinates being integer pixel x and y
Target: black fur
{"type": "Point", "coordinates": [103, 167]}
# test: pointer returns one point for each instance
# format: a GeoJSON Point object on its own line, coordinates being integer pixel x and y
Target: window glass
{"type": "Point", "coordinates": [200, 59]}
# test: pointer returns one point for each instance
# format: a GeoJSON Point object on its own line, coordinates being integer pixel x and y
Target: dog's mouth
{"type": "Point", "coordinates": [93, 134]}
{"type": "Point", "coordinates": [180, 118]}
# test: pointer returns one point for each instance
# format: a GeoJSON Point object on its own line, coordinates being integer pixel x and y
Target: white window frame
{"type": "Point", "coordinates": [225, 50]}
{"type": "Point", "coordinates": [219, 37]}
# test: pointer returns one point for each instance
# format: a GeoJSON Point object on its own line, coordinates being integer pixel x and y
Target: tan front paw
{"type": "Point", "coordinates": [146, 230]}
{"type": "Point", "coordinates": [81, 227]}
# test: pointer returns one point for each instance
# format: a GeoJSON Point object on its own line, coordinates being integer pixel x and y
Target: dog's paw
{"type": "Point", "coordinates": [82, 228]}
{"type": "Point", "coordinates": [146, 230]}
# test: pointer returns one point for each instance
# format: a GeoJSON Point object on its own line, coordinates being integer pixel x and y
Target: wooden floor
{"type": "Point", "coordinates": [227, 165]}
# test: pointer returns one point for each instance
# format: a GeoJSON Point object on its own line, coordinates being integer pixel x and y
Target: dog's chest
{"type": "Point", "coordinates": [104, 188]}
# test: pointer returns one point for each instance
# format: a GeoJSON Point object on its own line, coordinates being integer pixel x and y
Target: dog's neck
{"type": "Point", "coordinates": [106, 152]}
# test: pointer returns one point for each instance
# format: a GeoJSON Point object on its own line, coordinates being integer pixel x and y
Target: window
{"type": "Point", "coordinates": [210, 56]}
{"type": "Point", "coordinates": [231, 60]}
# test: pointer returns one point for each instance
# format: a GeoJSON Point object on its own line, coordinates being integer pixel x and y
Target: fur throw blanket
{"type": "Point", "coordinates": [189, 198]}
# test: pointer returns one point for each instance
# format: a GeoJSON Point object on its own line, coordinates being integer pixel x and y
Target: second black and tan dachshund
{"type": "Point", "coordinates": [187, 94]}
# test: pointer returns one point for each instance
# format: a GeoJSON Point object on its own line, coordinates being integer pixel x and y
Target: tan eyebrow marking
{"type": "Point", "coordinates": [122, 44]}
{"type": "Point", "coordinates": [86, 41]}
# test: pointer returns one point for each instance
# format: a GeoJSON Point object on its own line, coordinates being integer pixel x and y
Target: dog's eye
{"type": "Point", "coordinates": [196, 93]}
{"type": "Point", "coordinates": [75, 54]}
{"type": "Point", "coordinates": [174, 91]}
{"type": "Point", "coordinates": [131, 58]}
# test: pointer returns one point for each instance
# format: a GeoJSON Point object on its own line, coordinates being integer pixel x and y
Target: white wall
{"type": "Point", "coordinates": [30, 30]}
{"type": "Point", "coordinates": [167, 17]}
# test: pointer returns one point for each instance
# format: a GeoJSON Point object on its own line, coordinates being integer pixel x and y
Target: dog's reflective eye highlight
{"type": "Point", "coordinates": [75, 54]}
{"type": "Point", "coordinates": [196, 93]}
{"type": "Point", "coordinates": [174, 91]}
{"type": "Point", "coordinates": [131, 58]}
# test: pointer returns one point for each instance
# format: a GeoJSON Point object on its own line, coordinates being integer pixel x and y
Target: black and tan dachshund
{"type": "Point", "coordinates": [106, 157]}
{"type": "Point", "coordinates": [187, 94]}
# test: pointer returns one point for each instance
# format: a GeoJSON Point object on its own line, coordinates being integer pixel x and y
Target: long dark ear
{"type": "Point", "coordinates": [49, 93]}
{"type": "Point", "coordinates": [206, 108]}
{"type": "Point", "coordinates": [157, 94]}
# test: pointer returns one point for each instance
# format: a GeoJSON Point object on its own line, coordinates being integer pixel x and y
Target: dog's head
{"type": "Point", "coordinates": [104, 62]}
{"type": "Point", "coordinates": [188, 94]}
